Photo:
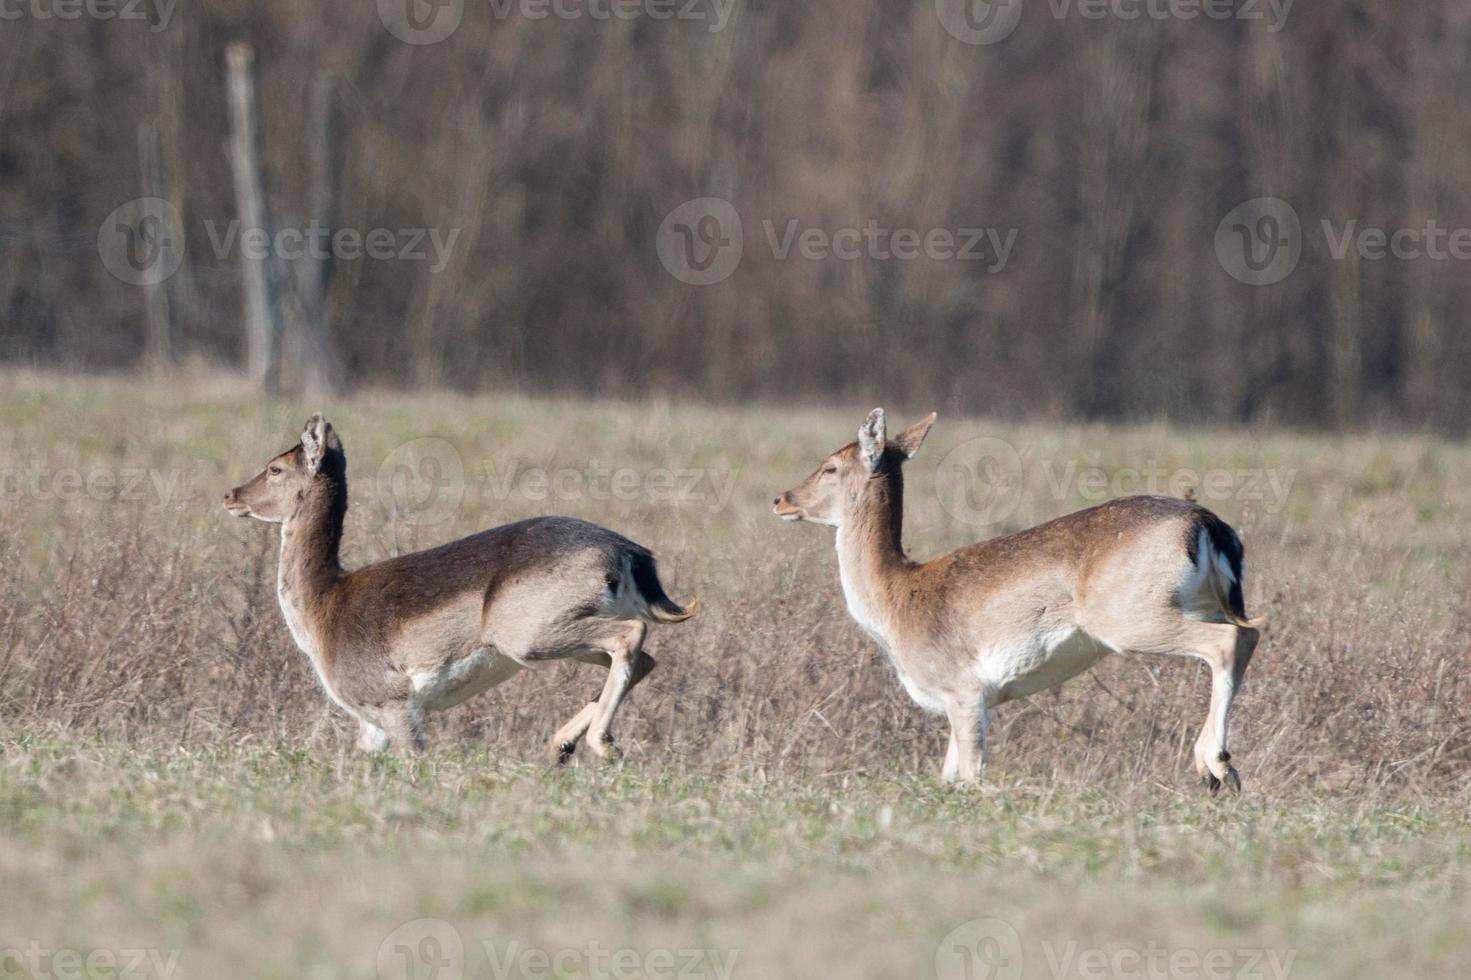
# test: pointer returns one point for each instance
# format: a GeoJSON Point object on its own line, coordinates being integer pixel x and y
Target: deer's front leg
{"type": "Point", "coordinates": [564, 743]}
{"type": "Point", "coordinates": [968, 723]}
{"type": "Point", "coordinates": [952, 760]}
{"type": "Point", "coordinates": [371, 738]}
{"type": "Point", "coordinates": [401, 724]}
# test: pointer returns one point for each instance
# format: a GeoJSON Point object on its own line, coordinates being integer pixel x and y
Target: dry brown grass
{"type": "Point", "coordinates": [156, 617]}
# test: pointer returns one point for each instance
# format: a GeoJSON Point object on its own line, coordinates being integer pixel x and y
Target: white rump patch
{"type": "Point", "coordinates": [625, 601]}
{"type": "Point", "coordinates": [1207, 584]}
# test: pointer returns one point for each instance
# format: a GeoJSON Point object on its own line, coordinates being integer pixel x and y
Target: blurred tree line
{"type": "Point", "coordinates": [552, 149]}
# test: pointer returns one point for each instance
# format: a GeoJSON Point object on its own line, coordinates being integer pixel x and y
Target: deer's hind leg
{"type": "Point", "coordinates": [1228, 670]}
{"type": "Point", "coordinates": [1226, 648]}
{"type": "Point", "coordinates": [619, 649]}
{"type": "Point", "coordinates": [629, 665]}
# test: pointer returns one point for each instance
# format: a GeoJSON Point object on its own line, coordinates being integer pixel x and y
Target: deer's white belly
{"type": "Point", "coordinates": [928, 700]}
{"type": "Point", "coordinates": [1025, 666]}
{"type": "Point", "coordinates": [459, 680]}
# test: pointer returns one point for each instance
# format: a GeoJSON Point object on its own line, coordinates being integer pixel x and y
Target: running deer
{"type": "Point", "coordinates": [427, 631]}
{"type": "Point", "coordinates": [999, 620]}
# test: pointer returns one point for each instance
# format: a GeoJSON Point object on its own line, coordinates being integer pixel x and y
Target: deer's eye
{"type": "Point", "coordinates": [274, 470]}
{"type": "Point", "coordinates": [829, 470]}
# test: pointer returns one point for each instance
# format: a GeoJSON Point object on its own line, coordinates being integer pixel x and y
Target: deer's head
{"type": "Point", "coordinates": [278, 490]}
{"type": "Point", "coordinates": [840, 484]}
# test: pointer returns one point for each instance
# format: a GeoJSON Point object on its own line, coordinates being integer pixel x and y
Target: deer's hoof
{"type": "Point", "coordinates": [605, 748]}
{"type": "Point", "coordinates": [563, 752]}
{"type": "Point", "coordinates": [1213, 783]}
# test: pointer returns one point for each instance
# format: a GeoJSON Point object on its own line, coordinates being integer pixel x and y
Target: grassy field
{"type": "Point", "coordinates": [177, 799]}
{"type": "Point", "coordinates": [279, 861]}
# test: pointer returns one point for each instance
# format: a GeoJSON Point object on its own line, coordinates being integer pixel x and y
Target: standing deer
{"type": "Point", "coordinates": [999, 620]}
{"type": "Point", "coordinates": [427, 631]}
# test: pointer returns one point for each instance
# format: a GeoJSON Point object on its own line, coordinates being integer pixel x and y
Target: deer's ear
{"type": "Point", "coordinates": [316, 438]}
{"type": "Point", "coordinates": [871, 439]}
{"type": "Point", "coordinates": [909, 441]}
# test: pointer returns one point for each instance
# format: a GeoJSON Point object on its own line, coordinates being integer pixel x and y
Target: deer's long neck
{"type": "Point", "coordinates": [871, 558]}
{"type": "Point", "coordinates": [310, 543]}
